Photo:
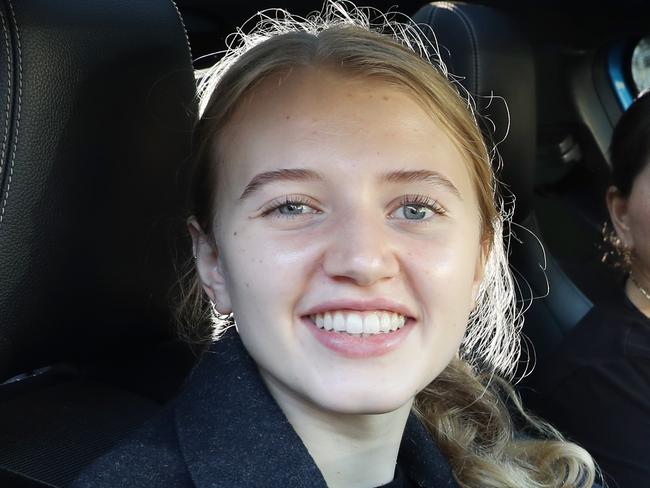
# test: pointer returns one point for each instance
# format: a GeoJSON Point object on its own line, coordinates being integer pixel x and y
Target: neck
{"type": "Point", "coordinates": [634, 293]}
{"type": "Point", "coordinates": [350, 450]}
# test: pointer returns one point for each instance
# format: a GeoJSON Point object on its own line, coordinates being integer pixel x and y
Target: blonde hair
{"type": "Point", "coordinates": [464, 407]}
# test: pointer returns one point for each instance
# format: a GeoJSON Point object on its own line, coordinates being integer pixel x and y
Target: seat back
{"type": "Point", "coordinates": [97, 105]}
{"type": "Point", "coordinates": [98, 110]}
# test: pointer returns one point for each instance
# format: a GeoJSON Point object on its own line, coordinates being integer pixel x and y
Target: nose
{"type": "Point", "coordinates": [361, 251]}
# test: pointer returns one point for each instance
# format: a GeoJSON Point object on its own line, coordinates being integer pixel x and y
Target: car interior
{"type": "Point", "coordinates": [99, 102]}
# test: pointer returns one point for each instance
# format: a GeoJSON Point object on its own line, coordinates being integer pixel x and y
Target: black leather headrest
{"type": "Point", "coordinates": [491, 56]}
{"type": "Point", "coordinates": [99, 97]}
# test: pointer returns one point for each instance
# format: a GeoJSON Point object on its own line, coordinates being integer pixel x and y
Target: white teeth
{"type": "Point", "coordinates": [384, 322]}
{"type": "Point", "coordinates": [395, 321]}
{"type": "Point", "coordinates": [319, 321]}
{"type": "Point", "coordinates": [373, 322]}
{"type": "Point", "coordinates": [328, 323]}
{"type": "Point", "coordinates": [338, 322]}
{"type": "Point", "coordinates": [354, 324]}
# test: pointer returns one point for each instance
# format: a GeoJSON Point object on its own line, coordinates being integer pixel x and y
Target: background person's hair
{"type": "Point", "coordinates": [463, 408]}
{"type": "Point", "coordinates": [630, 147]}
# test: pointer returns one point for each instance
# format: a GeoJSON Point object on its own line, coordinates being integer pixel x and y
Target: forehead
{"type": "Point", "coordinates": [320, 117]}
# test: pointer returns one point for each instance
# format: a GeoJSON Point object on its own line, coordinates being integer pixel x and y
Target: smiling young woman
{"type": "Point", "coordinates": [360, 213]}
{"type": "Point", "coordinates": [344, 211]}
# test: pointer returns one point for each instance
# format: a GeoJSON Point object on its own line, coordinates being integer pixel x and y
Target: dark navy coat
{"type": "Point", "coordinates": [225, 430]}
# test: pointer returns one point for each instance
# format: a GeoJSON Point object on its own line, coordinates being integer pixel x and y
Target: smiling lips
{"type": "Point", "coordinates": [359, 334]}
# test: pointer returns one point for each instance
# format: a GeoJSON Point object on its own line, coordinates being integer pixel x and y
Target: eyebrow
{"type": "Point", "coordinates": [299, 174]}
{"type": "Point", "coordinates": [267, 177]}
{"type": "Point", "coordinates": [425, 175]}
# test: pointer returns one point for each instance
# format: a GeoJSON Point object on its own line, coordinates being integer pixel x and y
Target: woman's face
{"type": "Point", "coordinates": [342, 205]}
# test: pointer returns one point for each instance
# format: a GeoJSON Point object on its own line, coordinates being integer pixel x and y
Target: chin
{"type": "Point", "coordinates": [363, 402]}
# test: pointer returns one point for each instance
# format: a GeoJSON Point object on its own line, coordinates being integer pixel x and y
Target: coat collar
{"type": "Point", "coordinates": [232, 432]}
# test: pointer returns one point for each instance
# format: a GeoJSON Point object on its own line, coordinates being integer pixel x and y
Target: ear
{"type": "Point", "coordinates": [209, 267]}
{"type": "Point", "coordinates": [617, 205]}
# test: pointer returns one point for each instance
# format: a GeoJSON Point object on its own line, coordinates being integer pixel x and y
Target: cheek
{"type": "Point", "coordinates": [446, 265]}
{"type": "Point", "coordinates": [640, 225]}
{"type": "Point", "coordinates": [444, 280]}
{"type": "Point", "coordinates": [265, 276]}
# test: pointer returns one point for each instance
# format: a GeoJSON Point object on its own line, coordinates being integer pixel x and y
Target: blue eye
{"type": "Point", "coordinates": [289, 207]}
{"type": "Point", "coordinates": [415, 212]}
{"type": "Point", "coordinates": [292, 208]}
{"type": "Point", "coordinates": [418, 208]}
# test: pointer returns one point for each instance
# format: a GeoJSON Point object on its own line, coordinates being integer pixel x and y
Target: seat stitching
{"type": "Point", "coordinates": [433, 13]}
{"type": "Point", "coordinates": [20, 94]}
{"type": "Point", "coordinates": [9, 87]}
{"type": "Point", "coordinates": [468, 26]}
{"type": "Point", "coordinates": [431, 19]}
{"type": "Point", "coordinates": [187, 38]}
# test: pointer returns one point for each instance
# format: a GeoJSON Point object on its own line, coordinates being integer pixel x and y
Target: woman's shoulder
{"type": "Point", "coordinates": [605, 333]}
{"type": "Point", "coordinates": [611, 341]}
{"type": "Point", "coordinates": [149, 457]}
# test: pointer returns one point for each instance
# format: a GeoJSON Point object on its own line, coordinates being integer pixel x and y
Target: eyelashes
{"type": "Point", "coordinates": [423, 201]}
{"type": "Point", "coordinates": [291, 203]}
{"type": "Point", "coordinates": [296, 206]}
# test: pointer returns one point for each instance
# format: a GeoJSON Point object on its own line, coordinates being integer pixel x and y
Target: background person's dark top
{"type": "Point", "coordinates": [596, 390]}
{"type": "Point", "coordinates": [225, 430]}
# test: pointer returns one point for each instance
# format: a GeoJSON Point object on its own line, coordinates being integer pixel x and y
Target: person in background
{"type": "Point", "coordinates": [344, 212]}
{"type": "Point", "coordinates": [596, 389]}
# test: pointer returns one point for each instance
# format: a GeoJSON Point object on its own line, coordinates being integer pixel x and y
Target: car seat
{"type": "Point", "coordinates": [98, 103]}
{"type": "Point", "coordinates": [492, 59]}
